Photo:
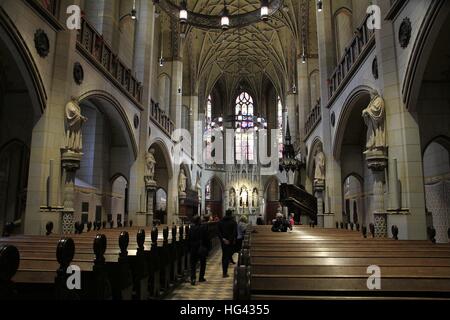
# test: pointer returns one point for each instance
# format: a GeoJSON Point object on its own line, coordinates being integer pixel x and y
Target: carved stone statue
{"type": "Point", "coordinates": [255, 200]}
{"type": "Point", "coordinates": [374, 117]}
{"type": "Point", "coordinates": [244, 198]}
{"type": "Point", "coordinates": [74, 125]}
{"type": "Point", "coordinates": [198, 188]}
{"type": "Point", "coordinates": [232, 198]}
{"type": "Point", "coordinates": [319, 173]}
{"type": "Point", "coordinates": [182, 182]}
{"type": "Point", "coordinates": [150, 166]}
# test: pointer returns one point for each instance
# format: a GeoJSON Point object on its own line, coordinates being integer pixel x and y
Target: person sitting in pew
{"type": "Point", "coordinates": [260, 220]}
{"type": "Point", "coordinates": [281, 224]}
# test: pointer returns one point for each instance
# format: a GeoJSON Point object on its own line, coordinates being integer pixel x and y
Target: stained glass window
{"type": "Point", "coordinates": [280, 127]}
{"type": "Point", "coordinates": [209, 129]}
{"type": "Point", "coordinates": [245, 135]}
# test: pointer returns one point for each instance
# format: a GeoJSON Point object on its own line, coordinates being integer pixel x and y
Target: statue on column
{"type": "Point", "coordinates": [232, 198]}
{"type": "Point", "coordinates": [74, 125]}
{"type": "Point", "coordinates": [182, 182]}
{"type": "Point", "coordinates": [374, 117]}
{"type": "Point", "coordinates": [150, 167]}
{"type": "Point", "coordinates": [198, 188]}
{"type": "Point", "coordinates": [255, 200]}
{"type": "Point", "coordinates": [319, 173]}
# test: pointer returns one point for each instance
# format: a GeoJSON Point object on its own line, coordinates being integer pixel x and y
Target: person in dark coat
{"type": "Point", "coordinates": [281, 224]}
{"type": "Point", "coordinates": [227, 229]}
{"type": "Point", "coordinates": [207, 244]}
{"type": "Point", "coordinates": [199, 243]}
{"type": "Point", "coordinates": [260, 221]}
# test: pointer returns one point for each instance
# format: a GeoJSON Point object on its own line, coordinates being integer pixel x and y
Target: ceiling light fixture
{"type": "Point", "coordinates": [225, 20]}
{"type": "Point", "coordinates": [264, 10]}
{"type": "Point", "coordinates": [319, 5]}
{"type": "Point", "coordinates": [132, 14]}
{"type": "Point", "coordinates": [177, 9]}
{"type": "Point", "coordinates": [183, 12]}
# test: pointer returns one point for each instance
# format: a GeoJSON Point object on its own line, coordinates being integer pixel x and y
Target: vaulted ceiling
{"type": "Point", "coordinates": [265, 50]}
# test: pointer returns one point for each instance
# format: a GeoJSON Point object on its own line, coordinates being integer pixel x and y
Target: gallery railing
{"type": "Point", "coordinates": [48, 10]}
{"type": "Point", "coordinates": [160, 117]}
{"type": "Point", "coordinates": [313, 119]}
{"type": "Point", "coordinates": [354, 54]}
{"type": "Point", "coordinates": [95, 47]}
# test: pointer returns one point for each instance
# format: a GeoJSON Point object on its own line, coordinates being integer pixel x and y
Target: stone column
{"type": "Point", "coordinates": [292, 117]}
{"type": "Point", "coordinates": [176, 98]}
{"type": "Point", "coordinates": [377, 163]}
{"type": "Point", "coordinates": [150, 210]}
{"type": "Point", "coordinates": [303, 98]}
{"type": "Point", "coordinates": [319, 187]}
{"type": "Point", "coordinates": [70, 163]}
{"type": "Point", "coordinates": [394, 188]}
{"type": "Point", "coordinates": [327, 63]}
{"type": "Point", "coordinates": [143, 66]}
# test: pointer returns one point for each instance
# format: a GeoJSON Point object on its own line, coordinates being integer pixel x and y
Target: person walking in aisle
{"type": "Point", "coordinates": [198, 246]}
{"type": "Point", "coordinates": [227, 230]}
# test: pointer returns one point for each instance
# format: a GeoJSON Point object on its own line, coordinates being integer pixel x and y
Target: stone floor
{"type": "Point", "coordinates": [216, 287]}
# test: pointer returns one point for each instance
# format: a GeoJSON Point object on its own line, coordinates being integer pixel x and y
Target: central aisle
{"type": "Point", "coordinates": [216, 287]}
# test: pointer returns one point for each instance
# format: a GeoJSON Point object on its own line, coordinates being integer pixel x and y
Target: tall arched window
{"type": "Point", "coordinates": [344, 30]}
{"type": "Point", "coordinates": [208, 127]}
{"type": "Point", "coordinates": [245, 134]}
{"type": "Point", "coordinates": [280, 127]}
{"type": "Point", "coordinates": [314, 87]}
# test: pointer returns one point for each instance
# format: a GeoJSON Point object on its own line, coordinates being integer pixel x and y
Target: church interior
{"type": "Point", "coordinates": [123, 121]}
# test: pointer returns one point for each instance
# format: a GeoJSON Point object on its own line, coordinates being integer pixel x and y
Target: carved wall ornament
{"type": "Point", "coordinates": [375, 117]}
{"type": "Point", "coordinates": [78, 73]}
{"type": "Point", "coordinates": [404, 33]}
{"type": "Point", "coordinates": [41, 43]}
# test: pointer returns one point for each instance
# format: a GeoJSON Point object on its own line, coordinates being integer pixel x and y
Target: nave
{"type": "Point", "coordinates": [305, 264]}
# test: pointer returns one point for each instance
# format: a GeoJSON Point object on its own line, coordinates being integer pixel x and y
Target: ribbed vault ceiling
{"type": "Point", "coordinates": [266, 49]}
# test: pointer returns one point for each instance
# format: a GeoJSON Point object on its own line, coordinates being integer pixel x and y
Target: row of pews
{"type": "Point", "coordinates": [119, 264]}
{"type": "Point", "coordinates": [327, 264]}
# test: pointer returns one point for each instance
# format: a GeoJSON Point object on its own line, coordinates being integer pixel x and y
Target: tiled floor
{"type": "Point", "coordinates": [216, 287]}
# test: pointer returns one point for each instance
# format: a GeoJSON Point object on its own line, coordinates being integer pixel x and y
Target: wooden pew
{"type": "Point", "coordinates": [39, 263]}
{"type": "Point", "coordinates": [331, 264]}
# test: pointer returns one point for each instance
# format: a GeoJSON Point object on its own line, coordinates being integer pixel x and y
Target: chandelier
{"type": "Point", "coordinates": [223, 21]}
{"type": "Point", "coordinates": [242, 123]}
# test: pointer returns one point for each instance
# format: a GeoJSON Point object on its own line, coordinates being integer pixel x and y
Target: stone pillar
{"type": "Point", "coordinates": [394, 187]}
{"type": "Point", "coordinates": [177, 86]}
{"type": "Point", "coordinates": [327, 63]}
{"type": "Point", "coordinates": [70, 163]}
{"type": "Point", "coordinates": [150, 210]}
{"type": "Point", "coordinates": [406, 148]}
{"type": "Point", "coordinates": [319, 187]}
{"type": "Point", "coordinates": [143, 66]}
{"type": "Point", "coordinates": [303, 98]}
{"type": "Point", "coordinates": [292, 117]}
{"type": "Point", "coordinates": [377, 163]}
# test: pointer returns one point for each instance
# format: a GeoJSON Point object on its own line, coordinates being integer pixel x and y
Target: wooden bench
{"type": "Point", "coordinates": [108, 271]}
{"type": "Point", "coordinates": [330, 264]}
